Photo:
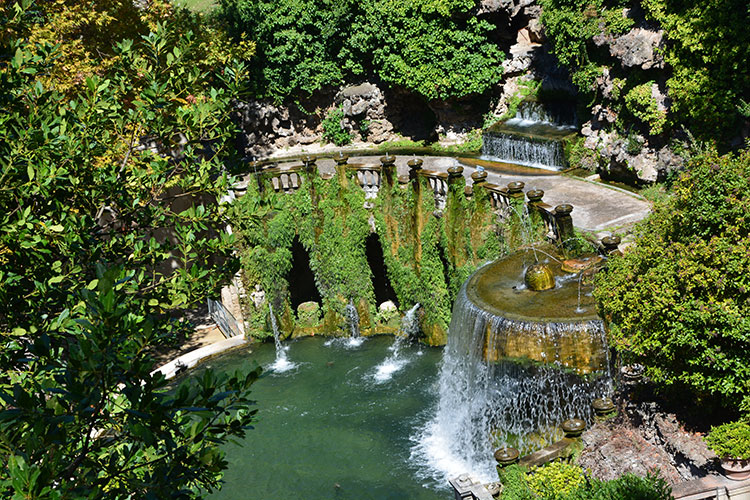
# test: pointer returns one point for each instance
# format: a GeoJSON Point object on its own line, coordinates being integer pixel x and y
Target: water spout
{"type": "Point", "coordinates": [282, 363]}
{"type": "Point", "coordinates": [409, 328]}
{"type": "Point", "coordinates": [352, 319]}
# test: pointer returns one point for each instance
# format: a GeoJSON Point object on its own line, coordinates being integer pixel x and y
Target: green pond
{"type": "Point", "coordinates": [340, 424]}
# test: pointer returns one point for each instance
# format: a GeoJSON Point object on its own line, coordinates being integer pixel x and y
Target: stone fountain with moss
{"type": "Point", "coordinates": [526, 351]}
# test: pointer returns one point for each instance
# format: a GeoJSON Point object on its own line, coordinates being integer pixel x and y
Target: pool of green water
{"type": "Point", "coordinates": [339, 425]}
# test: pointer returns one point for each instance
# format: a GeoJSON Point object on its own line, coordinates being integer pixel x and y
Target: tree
{"type": "Point", "coordinates": [437, 49]}
{"type": "Point", "coordinates": [109, 226]}
{"type": "Point", "coordinates": [677, 302]}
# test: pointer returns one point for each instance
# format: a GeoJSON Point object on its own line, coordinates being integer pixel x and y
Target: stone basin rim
{"type": "Point", "coordinates": [584, 317]}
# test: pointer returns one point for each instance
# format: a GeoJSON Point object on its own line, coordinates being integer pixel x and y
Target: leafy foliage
{"type": "Point", "coordinates": [708, 50]}
{"type": "Point", "coordinates": [333, 130]}
{"type": "Point", "coordinates": [563, 481]}
{"type": "Point", "coordinates": [640, 102]}
{"type": "Point", "coordinates": [434, 48]}
{"type": "Point", "coordinates": [302, 44]}
{"type": "Point", "coordinates": [677, 302]}
{"type": "Point", "coordinates": [109, 226]}
{"type": "Point", "coordinates": [555, 480]}
{"type": "Point", "coordinates": [427, 257]}
{"type": "Point", "coordinates": [730, 440]}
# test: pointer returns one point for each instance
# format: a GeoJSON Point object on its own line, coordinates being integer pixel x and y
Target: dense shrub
{"type": "Point", "coordinates": [333, 129]}
{"type": "Point", "coordinates": [99, 252]}
{"type": "Point", "coordinates": [564, 481]}
{"type": "Point", "coordinates": [555, 480]}
{"type": "Point", "coordinates": [434, 48]}
{"type": "Point", "coordinates": [678, 301]}
{"type": "Point", "coordinates": [641, 103]}
{"type": "Point", "coordinates": [730, 440]}
{"type": "Point", "coordinates": [706, 51]}
{"type": "Point", "coordinates": [302, 45]}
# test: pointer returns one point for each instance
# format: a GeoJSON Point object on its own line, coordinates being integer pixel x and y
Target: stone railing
{"type": "Point", "coordinates": [287, 180]}
{"type": "Point", "coordinates": [369, 178]}
{"type": "Point", "coordinates": [508, 201]}
{"type": "Point", "coordinates": [438, 182]}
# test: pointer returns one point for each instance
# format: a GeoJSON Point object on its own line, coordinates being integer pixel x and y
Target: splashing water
{"type": "Point", "coordinates": [409, 330]}
{"type": "Point", "coordinates": [483, 405]}
{"type": "Point", "coordinates": [282, 363]}
{"type": "Point", "coordinates": [410, 323]}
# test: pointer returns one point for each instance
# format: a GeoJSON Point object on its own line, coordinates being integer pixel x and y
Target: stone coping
{"type": "Point", "coordinates": [712, 487]}
{"type": "Point", "coordinates": [191, 359]}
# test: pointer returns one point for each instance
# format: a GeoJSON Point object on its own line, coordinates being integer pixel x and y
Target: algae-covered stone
{"type": "Point", "coordinates": [308, 314]}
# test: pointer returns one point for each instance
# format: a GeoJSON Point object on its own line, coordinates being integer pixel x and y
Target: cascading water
{"type": "Point", "coordinates": [534, 112]}
{"type": "Point", "coordinates": [410, 323]}
{"type": "Point", "coordinates": [409, 329]}
{"type": "Point", "coordinates": [352, 319]}
{"type": "Point", "coordinates": [511, 148]}
{"type": "Point", "coordinates": [534, 137]}
{"type": "Point", "coordinates": [486, 400]}
{"type": "Point", "coordinates": [282, 363]}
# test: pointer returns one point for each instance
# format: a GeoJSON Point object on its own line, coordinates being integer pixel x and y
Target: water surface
{"type": "Point", "coordinates": [340, 425]}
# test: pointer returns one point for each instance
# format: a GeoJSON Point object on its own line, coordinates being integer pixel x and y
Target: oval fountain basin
{"type": "Point", "coordinates": [559, 325]}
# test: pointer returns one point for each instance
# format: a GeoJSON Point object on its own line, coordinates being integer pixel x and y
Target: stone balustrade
{"type": "Point", "coordinates": [507, 201]}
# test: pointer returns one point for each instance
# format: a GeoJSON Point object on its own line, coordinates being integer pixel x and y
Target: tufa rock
{"type": "Point", "coordinates": [637, 48]}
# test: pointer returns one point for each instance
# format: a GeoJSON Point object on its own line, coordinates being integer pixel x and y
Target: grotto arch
{"type": "Point", "coordinates": [301, 279]}
{"type": "Point", "coordinates": [376, 260]}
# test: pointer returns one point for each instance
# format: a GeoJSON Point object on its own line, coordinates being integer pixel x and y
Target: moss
{"type": "Point", "coordinates": [308, 314]}
{"type": "Point", "coordinates": [428, 254]}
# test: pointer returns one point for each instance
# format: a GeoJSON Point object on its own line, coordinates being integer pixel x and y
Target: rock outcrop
{"type": "Point", "coordinates": [645, 438]}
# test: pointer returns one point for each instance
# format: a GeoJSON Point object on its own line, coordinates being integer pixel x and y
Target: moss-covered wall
{"type": "Point", "coordinates": [428, 253]}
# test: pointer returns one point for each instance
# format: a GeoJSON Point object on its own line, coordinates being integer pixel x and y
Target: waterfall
{"type": "Point", "coordinates": [352, 318]}
{"type": "Point", "coordinates": [282, 363]}
{"type": "Point", "coordinates": [516, 148]}
{"type": "Point", "coordinates": [486, 405]}
{"type": "Point", "coordinates": [533, 137]}
{"type": "Point", "coordinates": [534, 113]}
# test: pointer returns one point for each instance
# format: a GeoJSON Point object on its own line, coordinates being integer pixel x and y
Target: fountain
{"type": "Point", "coordinates": [282, 363]}
{"type": "Point", "coordinates": [409, 330]}
{"type": "Point", "coordinates": [410, 323]}
{"type": "Point", "coordinates": [352, 319]}
{"type": "Point", "coordinates": [534, 137]}
{"type": "Point", "coordinates": [525, 352]}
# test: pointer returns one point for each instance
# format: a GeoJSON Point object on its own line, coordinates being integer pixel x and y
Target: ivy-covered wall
{"type": "Point", "coordinates": [428, 253]}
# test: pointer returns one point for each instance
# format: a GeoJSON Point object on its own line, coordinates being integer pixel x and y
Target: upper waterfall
{"type": "Point", "coordinates": [533, 137]}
